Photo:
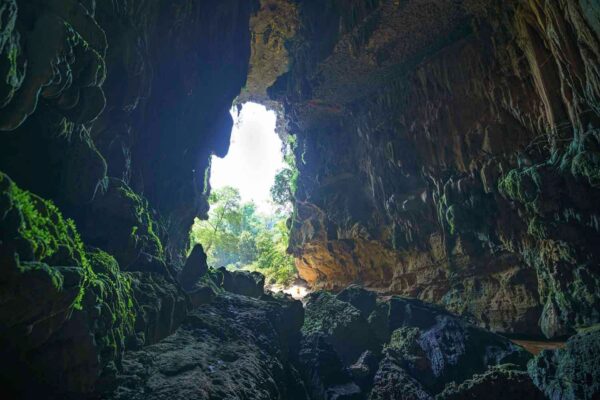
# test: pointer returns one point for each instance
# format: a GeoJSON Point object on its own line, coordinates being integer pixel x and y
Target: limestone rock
{"type": "Point", "coordinates": [246, 283]}
{"type": "Point", "coordinates": [195, 267]}
{"type": "Point", "coordinates": [499, 382]}
{"type": "Point", "coordinates": [341, 325]}
{"type": "Point", "coordinates": [230, 349]}
{"type": "Point", "coordinates": [393, 382]}
{"type": "Point", "coordinates": [571, 372]}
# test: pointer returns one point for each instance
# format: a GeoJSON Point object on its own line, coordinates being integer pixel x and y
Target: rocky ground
{"type": "Point", "coordinates": [351, 345]}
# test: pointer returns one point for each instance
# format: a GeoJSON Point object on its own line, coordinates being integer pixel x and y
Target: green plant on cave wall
{"type": "Point", "coordinates": [567, 284]}
{"type": "Point", "coordinates": [48, 248]}
{"type": "Point", "coordinates": [144, 233]}
{"type": "Point", "coordinates": [112, 292]}
{"type": "Point", "coordinates": [51, 237]}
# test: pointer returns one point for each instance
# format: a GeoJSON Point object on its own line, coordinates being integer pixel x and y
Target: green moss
{"type": "Point", "coordinates": [451, 218]}
{"type": "Point", "coordinates": [537, 228]}
{"type": "Point", "coordinates": [114, 286]}
{"type": "Point", "coordinates": [582, 159]}
{"type": "Point", "coordinates": [144, 233]}
{"type": "Point", "coordinates": [325, 313]}
{"type": "Point", "coordinates": [587, 165]}
{"type": "Point", "coordinates": [403, 342]}
{"type": "Point", "coordinates": [13, 75]}
{"type": "Point", "coordinates": [56, 277]}
{"type": "Point", "coordinates": [522, 185]}
{"type": "Point", "coordinates": [214, 279]}
{"type": "Point", "coordinates": [49, 234]}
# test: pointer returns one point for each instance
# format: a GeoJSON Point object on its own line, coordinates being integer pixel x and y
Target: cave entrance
{"type": "Point", "coordinates": [250, 202]}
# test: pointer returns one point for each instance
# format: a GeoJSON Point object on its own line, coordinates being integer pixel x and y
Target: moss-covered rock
{"type": "Point", "coordinates": [498, 383]}
{"type": "Point", "coordinates": [571, 372]}
{"type": "Point", "coordinates": [364, 300]}
{"type": "Point", "coordinates": [234, 348]}
{"type": "Point", "coordinates": [122, 223]}
{"type": "Point", "coordinates": [194, 269]}
{"type": "Point", "coordinates": [246, 283]}
{"type": "Point", "coordinates": [393, 382]}
{"type": "Point", "coordinates": [34, 230]}
{"type": "Point", "coordinates": [341, 324]}
{"type": "Point", "coordinates": [58, 298]}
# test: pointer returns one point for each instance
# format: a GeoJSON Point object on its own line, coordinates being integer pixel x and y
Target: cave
{"type": "Point", "coordinates": [446, 199]}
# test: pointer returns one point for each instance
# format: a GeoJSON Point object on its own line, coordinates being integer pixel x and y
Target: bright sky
{"type": "Point", "coordinates": [254, 156]}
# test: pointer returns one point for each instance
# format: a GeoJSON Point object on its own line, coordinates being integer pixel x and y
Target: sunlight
{"type": "Point", "coordinates": [254, 156]}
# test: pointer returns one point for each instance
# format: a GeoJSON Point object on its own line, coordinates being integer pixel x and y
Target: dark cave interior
{"type": "Point", "coordinates": [446, 208]}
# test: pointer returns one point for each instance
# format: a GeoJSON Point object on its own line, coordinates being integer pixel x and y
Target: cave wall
{"type": "Point", "coordinates": [110, 112]}
{"type": "Point", "coordinates": [448, 150]}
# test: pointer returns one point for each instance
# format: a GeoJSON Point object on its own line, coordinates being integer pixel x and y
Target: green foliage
{"type": "Point", "coordinates": [536, 228]}
{"type": "Point", "coordinates": [51, 236]}
{"type": "Point", "coordinates": [236, 236]}
{"type": "Point", "coordinates": [521, 185]}
{"type": "Point", "coordinates": [247, 247]}
{"type": "Point", "coordinates": [144, 233]}
{"type": "Point", "coordinates": [55, 276]}
{"type": "Point", "coordinates": [582, 158]}
{"type": "Point", "coordinates": [282, 191]}
{"type": "Point", "coordinates": [273, 260]}
{"type": "Point", "coordinates": [286, 180]}
{"type": "Point", "coordinates": [112, 289]}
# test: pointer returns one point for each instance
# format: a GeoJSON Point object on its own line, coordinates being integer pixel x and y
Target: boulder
{"type": "Point", "coordinates": [571, 372]}
{"type": "Point", "coordinates": [500, 382]}
{"type": "Point", "coordinates": [436, 347]}
{"type": "Point", "coordinates": [323, 370]}
{"type": "Point", "coordinates": [245, 283]}
{"type": "Point", "coordinates": [392, 382]}
{"type": "Point", "coordinates": [364, 300]}
{"type": "Point", "coordinates": [341, 324]}
{"type": "Point", "coordinates": [233, 348]}
{"type": "Point", "coordinates": [427, 349]}
{"type": "Point", "coordinates": [195, 267]}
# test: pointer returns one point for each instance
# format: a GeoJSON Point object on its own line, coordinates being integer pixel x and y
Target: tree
{"type": "Point", "coordinates": [235, 235]}
{"type": "Point", "coordinates": [220, 233]}
{"type": "Point", "coordinates": [247, 247]}
{"type": "Point", "coordinates": [281, 191]}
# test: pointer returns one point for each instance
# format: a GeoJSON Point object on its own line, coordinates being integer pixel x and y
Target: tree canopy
{"type": "Point", "coordinates": [237, 236]}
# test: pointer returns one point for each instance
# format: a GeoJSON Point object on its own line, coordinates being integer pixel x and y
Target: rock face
{"type": "Point", "coordinates": [572, 372]}
{"type": "Point", "coordinates": [448, 151]}
{"type": "Point", "coordinates": [501, 382]}
{"type": "Point", "coordinates": [342, 355]}
{"type": "Point", "coordinates": [235, 348]}
{"type": "Point", "coordinates": [109, 112]}
{"type": "Point", "coordinates": [68, 311]}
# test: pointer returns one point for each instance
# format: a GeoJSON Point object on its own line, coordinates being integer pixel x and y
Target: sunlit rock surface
{"type": "Point", "coordinates": [448, 150]}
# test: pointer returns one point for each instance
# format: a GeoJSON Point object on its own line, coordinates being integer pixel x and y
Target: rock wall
{"type": "Point", "coordinates": [110, 111]}
{"type": "Point", "coordinates": [448, 151]}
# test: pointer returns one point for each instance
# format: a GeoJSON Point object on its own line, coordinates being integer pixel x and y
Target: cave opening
{"type": "Point", "coordinates": [250, 201]}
